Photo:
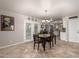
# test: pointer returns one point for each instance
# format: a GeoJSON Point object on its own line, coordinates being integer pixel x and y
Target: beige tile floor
{"type": "Point", "coordinates": [61, 50]}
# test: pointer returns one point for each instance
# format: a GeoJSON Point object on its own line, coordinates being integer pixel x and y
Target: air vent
{"type": "Point", "coordinates": [73, 17]}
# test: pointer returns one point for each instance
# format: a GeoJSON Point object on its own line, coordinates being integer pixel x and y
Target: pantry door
{"type": "Point", "coordinates": [74, 30]}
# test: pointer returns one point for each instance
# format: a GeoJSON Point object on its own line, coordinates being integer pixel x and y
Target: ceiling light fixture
{"type": "Point", "coordinates": [45, 18]}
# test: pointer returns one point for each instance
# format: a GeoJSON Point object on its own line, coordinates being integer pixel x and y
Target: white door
{"type": "Point", "coordinates": [35, 28]}
{"type": "Point", "coordinates": [77, 30]}
{"type": "Point", "coordinates": [74, 30]}
{"type": "Point", "coordinates": [28, 31]}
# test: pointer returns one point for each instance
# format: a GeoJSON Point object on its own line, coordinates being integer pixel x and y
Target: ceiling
{"type": "Point", "coordinates": [36, 8]}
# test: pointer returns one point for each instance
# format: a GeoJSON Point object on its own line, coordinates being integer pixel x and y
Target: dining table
{"type": "Point", "coordinates": [44, 37]}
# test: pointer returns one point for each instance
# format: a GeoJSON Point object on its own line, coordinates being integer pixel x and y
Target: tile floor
{"type": "Point", "coordinates": [61, 50]}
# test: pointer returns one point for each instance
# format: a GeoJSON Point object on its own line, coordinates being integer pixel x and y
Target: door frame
{"type": "Point", "coordinates": [32, 29]}
{"type": "Point", "coordinates": [68, 36]}
{"type": "Point", "coordinates": [25, 39]}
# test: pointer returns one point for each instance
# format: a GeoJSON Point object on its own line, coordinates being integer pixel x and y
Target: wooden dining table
{"type": "Point", "coordinates": [44, 37]}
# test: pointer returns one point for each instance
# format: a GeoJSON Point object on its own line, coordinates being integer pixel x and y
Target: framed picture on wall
{"type": "Point", "coordinates": [0, 23]}
{"type": "Point", "coordinates": [7, 23]}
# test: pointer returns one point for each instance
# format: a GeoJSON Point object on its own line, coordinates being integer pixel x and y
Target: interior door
{"type": "Point", "coordinates": [74, 30]}
{"type": "Point", "coordinates": [35, 28]}
{"type": "Point", "coordinates": [77, 30]}
{"type": "Point", "coordinates": [28, 31]}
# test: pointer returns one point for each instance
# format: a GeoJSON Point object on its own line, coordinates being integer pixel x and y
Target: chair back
{"type": "Point", "coordinates": [35, 37]}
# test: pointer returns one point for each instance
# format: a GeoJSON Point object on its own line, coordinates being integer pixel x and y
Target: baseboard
{"type": "Point", "coordinates": [64, 39]}
{"type": "Point", "coordinates": [15, 44]}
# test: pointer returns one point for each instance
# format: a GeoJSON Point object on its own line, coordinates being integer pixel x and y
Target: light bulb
{"type": "Point", "coordinates": [43, 20]}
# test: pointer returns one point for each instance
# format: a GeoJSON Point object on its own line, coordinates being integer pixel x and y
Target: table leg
{"type": "Point", "coordinates": [44, 43]}
{"type": "Point", "coordinates": [52, 43]}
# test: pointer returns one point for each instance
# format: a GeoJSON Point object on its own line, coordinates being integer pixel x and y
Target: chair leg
{"type": "Point", "coordinates": [44, 43]}
{"type": "Point", "coordinates": [55, 39]}
{"type": "Point", "coordinates": [50, 44]}
{"type": "Point", "coordinates": [34, 45]}
{"type": "Point", "coordinates": [38, 46]}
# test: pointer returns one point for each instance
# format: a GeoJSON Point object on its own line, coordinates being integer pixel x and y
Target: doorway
{"type": "Point", "coordinates": [28, 31]}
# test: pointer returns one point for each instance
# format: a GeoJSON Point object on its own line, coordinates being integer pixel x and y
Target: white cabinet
{"type": "Point", "coordinates": [63, 36]}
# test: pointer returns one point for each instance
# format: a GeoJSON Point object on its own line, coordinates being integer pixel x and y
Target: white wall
{"type": "Point", "coordinates": [13, 37]}
{"type": "Point", "coordinates": [64, 35]}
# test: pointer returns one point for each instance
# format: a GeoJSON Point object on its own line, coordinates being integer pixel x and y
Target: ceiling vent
{"type": "Point", "coordinates": [73, 17]}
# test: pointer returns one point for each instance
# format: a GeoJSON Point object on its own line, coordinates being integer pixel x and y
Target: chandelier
{"type": "Point", "coordinates": [45, 18]}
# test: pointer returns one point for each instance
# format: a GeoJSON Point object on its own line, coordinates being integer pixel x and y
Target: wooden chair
{"type": "Point", "coordinates": [36, 40]}
{"type": "Point", "coordinates": [49, 41]}
{"type": "Point", "coordinates": [54, 38]}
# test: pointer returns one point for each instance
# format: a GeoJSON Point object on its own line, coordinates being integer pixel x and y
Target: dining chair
{"type": "Point", "coordinates": [37, 40]}
{"type": "Point", "coordinates": [54, 38]}
{"type": "Point", "coordinates": [49, 41]}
